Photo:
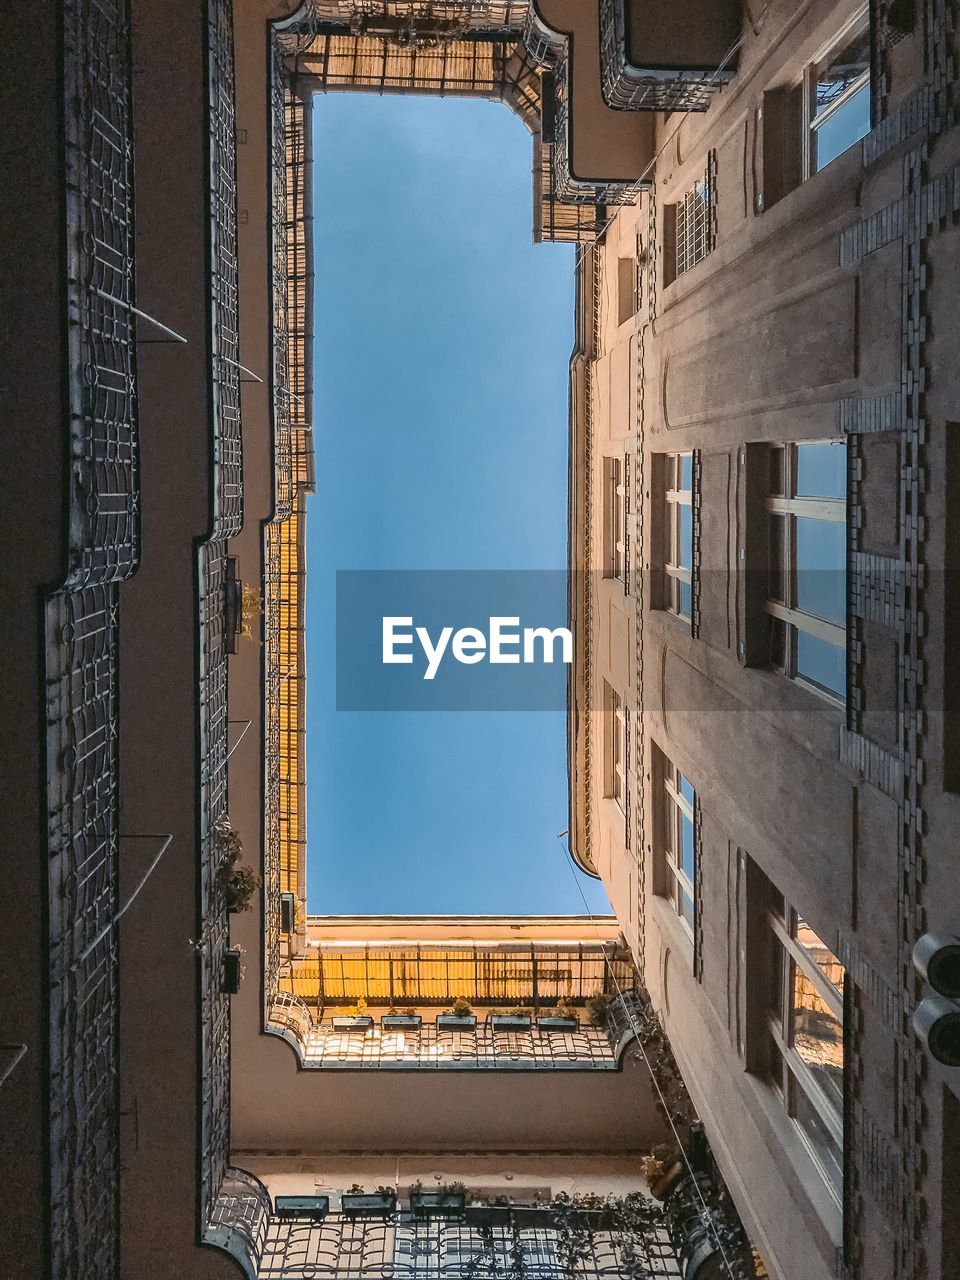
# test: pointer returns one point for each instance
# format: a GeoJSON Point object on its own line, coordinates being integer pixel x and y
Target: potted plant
{"type": "Point", "coordinates": [232, 971]}
{"type": "Point", "coordinates": [401, 1020]}
{"type": "Point", "coordinates": [357, 1203]}
{"type": "Point", "coordinates": [460, 1018]}
{"type": "Point", "coordinates": [563, 1020]}
{"type": "Point", "coordinates": [232, 606]}
{"type": "Point", "coordinates": [483, 1212]}
{"type": "Point", "coordinates": [308, 1208]}
{"type": "Point", "coordinates": [448, 1200]}
{"type": "Point", "coordinates": [238, 881]}
{"type": "Point", "coordinates": [598, 1009]}
{"type": "Point", "coordinates": [251, 608]}
{"type": "Point", "coordinates": [511, 1020]}
{"type": "Point", "coordinates": [661, 1168]}
{"type": "Point", "coordinates": [353, 1018]}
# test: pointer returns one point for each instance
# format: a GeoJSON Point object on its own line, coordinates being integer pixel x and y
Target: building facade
{"type": "Point", "coordinates": [762, 421]}
{"type": "Point", "coordinates": [762, 764]}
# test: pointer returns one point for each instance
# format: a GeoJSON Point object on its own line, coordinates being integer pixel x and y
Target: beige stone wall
{"type": "Point", "coordinates": [789, 329]}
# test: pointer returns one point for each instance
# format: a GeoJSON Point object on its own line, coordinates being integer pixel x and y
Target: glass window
{"type": "Point", "coordinates": [680, 843]}
{"type": "Point", "coordinates": [694, 216]}
{"type": "Point", "coordinates": [678, 520]}
{"type": "Point", "coordinates": [616, 506]}
{"type": "Point", "coordinates": [616, 745]}
{"type": "Point", "coordinates": [807, 581]}
{"type": "Point", "coordinates": [839, 87]}
{"type": "Point", "coordinates": [806, 1034]}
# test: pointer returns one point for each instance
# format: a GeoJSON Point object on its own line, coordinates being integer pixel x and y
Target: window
{"type": "Point", "coordinates": [694, 225]}
{"type": "Point", "coordinates": [627, 291]}
{"type": "Point", "coordinates": [837, 95]}
{"type": "Point", "coordinates": [679, 843]}
{"type": "Point", "coordinates": [806, 1037]}
{"type": "Point", "coordinates": [678, 533]}
{"type": "Point", "coordinates": [615, 509]}
{"type": "Point", "coordinates": [615, 736]}
{"type": "Point", "coordinates": [806, 590]}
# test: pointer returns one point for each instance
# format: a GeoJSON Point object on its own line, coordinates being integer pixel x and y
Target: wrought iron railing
{"type": "Point", "coordinates": [483, 1048]}
{"type": "Point", "coordinates": [240, 1221]}
{"type": "Point", "coordinates": [213, 935]}
{"type": "Point", "coordinates": [631, 88]}
{"type": "Point", "coordinates": [406, 1248]}
{"type": "Point", "coordinates": [81, 635]}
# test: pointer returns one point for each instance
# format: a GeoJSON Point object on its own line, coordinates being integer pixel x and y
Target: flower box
{"type": "Point", "coordinates": [510, 1021]}
{"type": "Point", "coordinates": [456, 1022]}
{"type": "Point", "coordinates": [379, 1204]}
{"type": "Point", "coordinates": [401, 1021]}
{"type": "Point", "coordinates": [230, 983]}
{"type": "Point", "coordinates": [558, 1024]}
{"type": "Point", "coordinates": [310, 1208]}
{"type": "Point", "coordinates": [352, 1022]}
{"type": "Point", "coordinates": [437, 1204]}
{"type": "Point", "coordinates": [530, 1216]}
{"type": "Point", "coordinates": [488, 1215]}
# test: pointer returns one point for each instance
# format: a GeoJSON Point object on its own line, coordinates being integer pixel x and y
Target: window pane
{"type": "Point", "coordinates": [686, 599]}
{"type": "Point", "coordinates": [687, 853]}
{"type": "Point", "coordinates": [823, 663]}
{"type": "Point", "coordinates": [685, 461]}
{"type": "Point", "coordinates": [847, 125]}
{"type": "Point", "coordinates": [686, 537]}
{"type": "Point", "coordinates": [821, 568]}
{"type": "Point", "coordinates": [822, 470]}
{"type": "Point", "coordinates": [775, 588]}
{"type": "Point", "coordinates": [820, 954]}
{"type": "Point", "coordinates": [843, 68]}
{"type": "Point", "coordinates": [685, 787]}
{"type": "Point", "coordinates": [818, 1037]}
{"type": "Point", "coordinates": [686, 908]}
{"type": "Point", "coordinates": [828, 1154]}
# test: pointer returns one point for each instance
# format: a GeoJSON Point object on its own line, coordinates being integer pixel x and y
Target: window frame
{"type": "Point", "coordinates": [676, 807]}
{"type": "Point", "coordinates": [615, 746]}
{"type": "Point", "coordinates": [786, 1069]}
{"type": "Point", "coordinates": [674, 499]}
{"type": "Point", "coordinates": [693, 224]}
{"type": "Point", "coordinates": [616, 507]}
{"type": "Point", "coordinates": [811, 122]}
{"type": "Point", "coordinates": [788, 507]}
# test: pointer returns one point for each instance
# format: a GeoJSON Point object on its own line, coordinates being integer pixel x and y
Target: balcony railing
{"type": "Point", "coordinates": [630, 88]}
{"type": "Point", "coordinates": [484, 1047]}
{"type": "Point", "coordinates": [81, 632]}
{"type": "Point", "coordinates": [408, 1248]}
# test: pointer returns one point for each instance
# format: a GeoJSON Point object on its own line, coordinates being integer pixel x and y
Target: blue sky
{"type": "Point", "coordinates": [442, 341]}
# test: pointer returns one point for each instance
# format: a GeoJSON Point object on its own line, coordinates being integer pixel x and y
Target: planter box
{"type": "Point", "coordinates": [230, 983]}
{"type": "Point", "coordinates": [360, 1205]}
{"type": "Point", "coordinates": [401, 1021]}
{"type": "Point", "coordinates": [456, 1022]}
{"type": "Point", "coordinates": [529, 1216]}
{"type": "Point", "coordinates": [232, 606]}
{"type": "Point", "coordinates": [310, 1208]}
{"type": "Point", "coordinates": [510, 1021]}
{"type": "Point", "coordinates": [488, 1215]}
{"type": "Point", "coordinates": [437, 1204]}
{"type": "Point", "coordinates": [347, 1023]}
{"type": "Point", "coordinates": [557, 1024]}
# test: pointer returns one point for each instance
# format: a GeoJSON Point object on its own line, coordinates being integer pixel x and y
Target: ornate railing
{"type": "Point", "coordinates": [407, 1248]}
{"type": "Point", "coordinates": [483, 1048]}
{"type": "Point", "coordinates": [631, 88]}
{"type": "Point", "coordinates": [213, 933]}
{"type": "Point", "coordinates": [81, 634]}
{"type": "Point", "coordinates": [240, 1221]}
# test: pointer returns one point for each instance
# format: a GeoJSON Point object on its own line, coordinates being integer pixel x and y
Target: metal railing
{"type": "Point", "coordinates": [631, 88]}
{"type": "Point", "coordinates": [213, 935]}
{"type": "Point", "coordinates": [483, 1048]}
{"type": "Point", "coordinates": [408, 1248]}
{"type": "Point", "coordinates": [81, 642]}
